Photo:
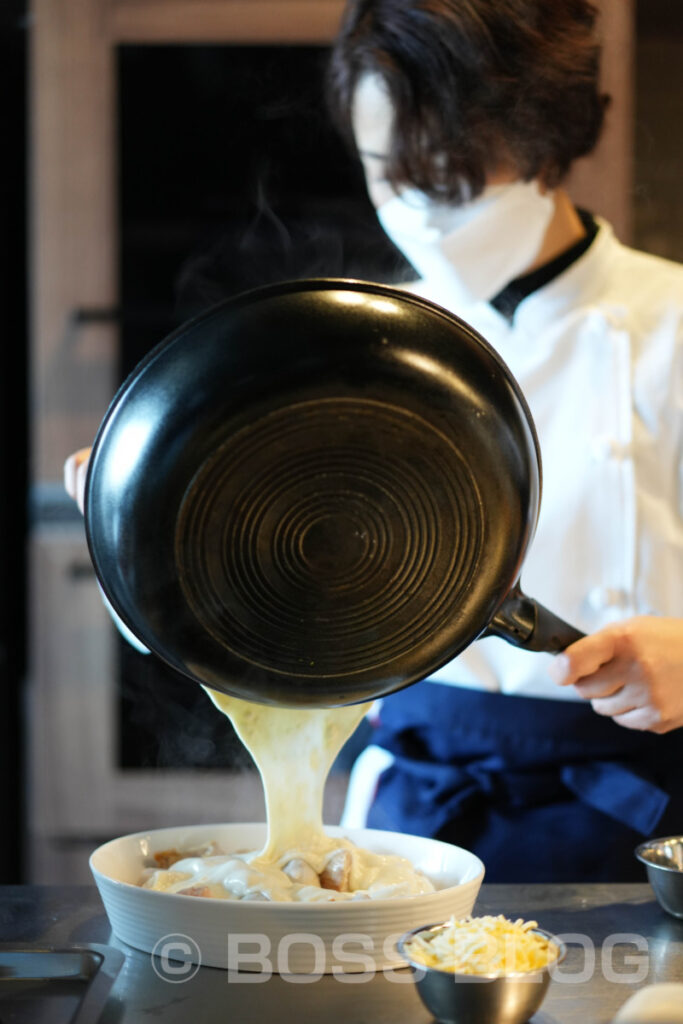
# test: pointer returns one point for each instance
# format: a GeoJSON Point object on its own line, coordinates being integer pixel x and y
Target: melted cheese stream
{"type": "Point", "coordinates": [293, 749]}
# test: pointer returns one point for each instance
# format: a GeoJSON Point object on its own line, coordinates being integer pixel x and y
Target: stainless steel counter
{"type": "Point", "coordinates": [620, 939]}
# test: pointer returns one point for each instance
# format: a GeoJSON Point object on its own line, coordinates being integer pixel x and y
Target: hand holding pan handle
{"type": "Point", "coordinates": [524, 622]}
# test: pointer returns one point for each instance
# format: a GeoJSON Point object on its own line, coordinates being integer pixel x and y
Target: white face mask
{"type": "Point", "coordinates": [475, 249]}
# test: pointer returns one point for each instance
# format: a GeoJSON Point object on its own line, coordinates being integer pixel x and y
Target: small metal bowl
{"type": "Point", "coordinates": [480, 998]}
{"type": "Point", "coordinates": [663, 859]}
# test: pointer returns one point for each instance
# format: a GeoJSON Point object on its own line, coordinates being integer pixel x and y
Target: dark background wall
{"type": "Point", "coordinates": [13, 426]}
{"type": "Point", "coordinates": [658, 170]}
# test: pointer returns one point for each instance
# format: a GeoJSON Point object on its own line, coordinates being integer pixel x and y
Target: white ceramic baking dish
{"type": "Point", "coordinates": [285, 938]}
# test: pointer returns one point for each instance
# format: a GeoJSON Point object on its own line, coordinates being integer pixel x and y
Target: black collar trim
{"type": "Point", "coordinates": [507, 300]}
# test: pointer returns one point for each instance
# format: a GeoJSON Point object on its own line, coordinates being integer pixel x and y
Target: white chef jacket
{"type": "Point", "coordinates": [598, 354]}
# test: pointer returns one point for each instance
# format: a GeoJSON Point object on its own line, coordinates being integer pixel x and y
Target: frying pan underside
{"type": "Point", "coordinates": [301, 499]}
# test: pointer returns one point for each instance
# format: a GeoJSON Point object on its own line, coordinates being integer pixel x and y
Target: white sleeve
{"type": "Point", "coordinates": [363, 782]}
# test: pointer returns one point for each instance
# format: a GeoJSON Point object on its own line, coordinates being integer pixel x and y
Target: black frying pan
{"type": "Point", "coordinates": [317, 493]}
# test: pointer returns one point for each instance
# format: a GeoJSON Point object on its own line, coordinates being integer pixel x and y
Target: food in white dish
{"type": "Point", "coordinates": [308, 875]}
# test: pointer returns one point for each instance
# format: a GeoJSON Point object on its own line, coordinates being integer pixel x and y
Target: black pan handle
{"type": "Point", "coordinates": [524, 622]}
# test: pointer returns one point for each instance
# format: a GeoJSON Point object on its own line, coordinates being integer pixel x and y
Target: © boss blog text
{"type": "Point", "coordinates": [622, 958]}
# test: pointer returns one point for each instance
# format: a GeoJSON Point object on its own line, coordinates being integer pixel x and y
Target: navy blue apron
{"type": "Point", "coordinates": [541, 790]}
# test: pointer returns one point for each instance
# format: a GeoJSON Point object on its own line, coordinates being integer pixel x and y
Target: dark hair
{"type": "Point", "coordinates": [476, 85]}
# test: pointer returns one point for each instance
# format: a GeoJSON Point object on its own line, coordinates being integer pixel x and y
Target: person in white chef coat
{"type": "Point", "coordinates": [467, 115]}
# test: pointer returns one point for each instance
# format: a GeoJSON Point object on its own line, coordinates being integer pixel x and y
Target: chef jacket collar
{"type": "Point", "coordinates": [509, 298]}
{"type": "Point", "coordinates": [581, 284]}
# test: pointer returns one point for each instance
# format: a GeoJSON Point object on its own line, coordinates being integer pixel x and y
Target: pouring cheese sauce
{"type": "Point", "coordinates": [293, 749]}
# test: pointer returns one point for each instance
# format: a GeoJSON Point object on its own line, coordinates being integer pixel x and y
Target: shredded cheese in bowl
{"type": "Point", "coordinates": [492, 946]}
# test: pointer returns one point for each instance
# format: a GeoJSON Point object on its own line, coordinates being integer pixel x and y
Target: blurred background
{"type": "Point", "coordinates": [157, 157]}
